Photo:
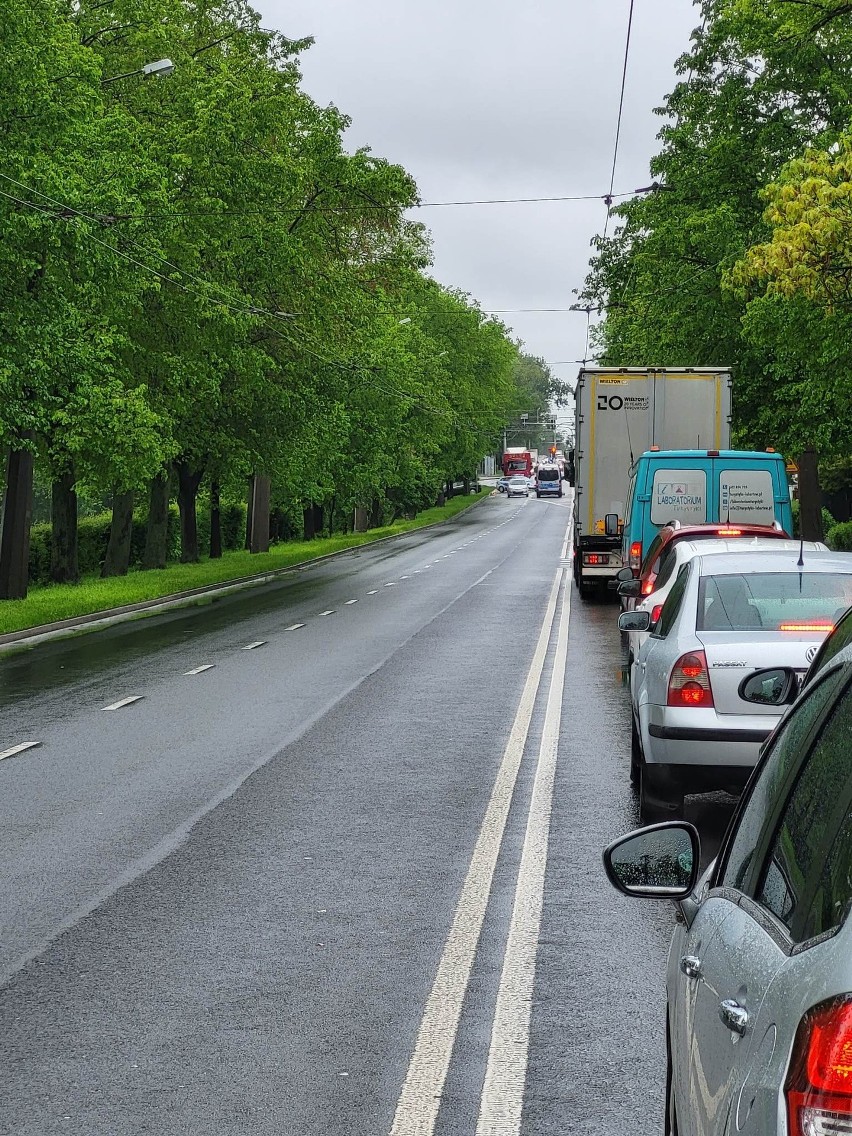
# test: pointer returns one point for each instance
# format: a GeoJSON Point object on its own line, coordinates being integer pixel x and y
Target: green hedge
{"type": "Point", "coordinates": [839, 537]}
{"type": "Point", "coordinates": [93, 538]}
{"type": "Point", "coordinates": [828, 522]}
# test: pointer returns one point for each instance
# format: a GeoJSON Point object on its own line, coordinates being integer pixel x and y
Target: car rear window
{"type": "Point", "coordinates": [679, 495]}
{"type": "Point", "coordinates": [773, 601]}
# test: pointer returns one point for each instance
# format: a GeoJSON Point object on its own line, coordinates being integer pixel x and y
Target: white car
{"type": "Point", "coordinates": [726, 616]}
{"type": "Point", "coordinates": [677, 555]}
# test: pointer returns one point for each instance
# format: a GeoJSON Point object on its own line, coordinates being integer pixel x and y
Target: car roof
{"type": "Point", "coordinates": [740, 546]}
{"type": "Point", "coordinates": [773, 559]}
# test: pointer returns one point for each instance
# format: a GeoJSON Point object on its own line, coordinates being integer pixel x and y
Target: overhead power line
{"type": "Point", "coordinates": [620, 113]}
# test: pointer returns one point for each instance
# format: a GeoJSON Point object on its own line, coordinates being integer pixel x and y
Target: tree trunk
{"type": "Point", "coordinates": [259, 509]}
{"type": "Point", "coordinates": [215, 522]}
{"type": "Point", "coordinates": [188, 483]}
{"type": "Point", "coordinates": [64, 568]}
{"type": "Point", "coordinates": [362, 519]}
{"type": "Point", "coordinates": [810, 497]}
{"type": "Point", "coordinates": [249, 517]}
{"type": "Point", "coordinates": [308, 519]}
{"type": "Point", "coordinates": [157, 529]}
{"type": "Point", "coordinates": [117, 559]}
{"type": "Point", "coordinates": [15, 531]}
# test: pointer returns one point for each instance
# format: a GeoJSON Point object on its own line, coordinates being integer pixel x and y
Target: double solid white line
{"type": "Point", "coordinates": [502, 1097]}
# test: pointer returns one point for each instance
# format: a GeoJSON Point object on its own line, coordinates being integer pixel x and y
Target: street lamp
{"type": "Point", "coordinates": [158, 70]}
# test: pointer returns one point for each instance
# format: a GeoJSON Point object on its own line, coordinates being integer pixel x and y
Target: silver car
{"type": "Point", "coordinates": [518, 486]}
{"type": "Point", "coordinates": [759, 981]}
{"type": "Point", "coordinates": [726, 616]}
{"type": "Point", "coordinates": [677, 554]}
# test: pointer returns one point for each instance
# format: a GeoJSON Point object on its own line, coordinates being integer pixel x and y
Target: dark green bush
{"type": "Point", "coordinates": [828, 521]}
{"type": "Point", "coordinates": [839, 537]}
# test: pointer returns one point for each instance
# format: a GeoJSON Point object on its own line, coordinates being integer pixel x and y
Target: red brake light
{"type": "Point", "coordinates": [689, 682]}
{"type": "Point", "coordinates": [806, 627]}
{"type": "Point", "coordinates": [636, 554]}
{"type": "Point", "coordinates": [819, 1085]}
{"type": "Point", "coordinates": [656, 612]}
{"type": "Point", "coordinates": [730, 532]}
{"type": "Point", "coordinates": [648, 586]}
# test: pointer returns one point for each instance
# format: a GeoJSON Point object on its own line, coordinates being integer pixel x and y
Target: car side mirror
{"type": "Point", "coordinates": [634, 621]}
{"type": "Point", "coordinates": [658, 862]}
{"type": "Point", "coordinates": [624, 574]}
{"type": "Point", "coordinates": [773, 686]}
{"type": "Point", "coordinates": [630, 588]}
{"type": "Point", "coordinates": [611, 524]}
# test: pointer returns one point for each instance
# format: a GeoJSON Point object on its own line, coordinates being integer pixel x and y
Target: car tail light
{"type": "Point", "coordinates": [819, 1084]}
{"type": "Point", "coordinates": [648, 586]}
{"type": "Point", "coordinates": [806, 627]}
{"type": "Point", "coordinates": [730, 532]}
{"type": "Point", "coordinates": [595, 558]}
{"type": "Point", "coordinates": [656, 612]}
{"type": "Point", "coordinates": [689, 682]}
{"type": "Point", "coordinates": [636, 554]}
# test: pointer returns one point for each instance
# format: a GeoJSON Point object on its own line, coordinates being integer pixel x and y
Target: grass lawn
{"type": "Point", "coordinates": [51, 603]}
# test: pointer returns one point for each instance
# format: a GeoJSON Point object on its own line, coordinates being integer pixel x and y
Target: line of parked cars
{"type": "Point", "coordinates": [740, 657]}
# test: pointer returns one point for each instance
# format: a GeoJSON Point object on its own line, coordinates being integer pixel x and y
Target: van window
{"type": "Point", "coordinates": [679, 495]}
{"type": "Point", "coordinates": [746, 496]}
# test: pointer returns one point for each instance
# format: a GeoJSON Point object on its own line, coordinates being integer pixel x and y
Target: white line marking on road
{"type": "Point", "coordinates": [346, 603]}
{"type": "Point", "coordinates": [392, 584]}
{"type": "Point", "coordinates": [329, 612]}
{"type": "Point", "coordinates": [201, 669]}
{"type": "Point", "coordinates": [124, 702]}
{"type": "Point", "coordinates": [252, 646]}
{"type": "Point", "coordinates": [405, 577]}
{"type": "Point", "coordinates": [502, 1098]}
{"type": "Point", "coordinates": [420, 1098]}
{"type": "Point", "coordinates": [294, 627]}
{"type": "Point", "coordinates": [18, 749]}
{"type": "Point", "coordinates": [374, 592]}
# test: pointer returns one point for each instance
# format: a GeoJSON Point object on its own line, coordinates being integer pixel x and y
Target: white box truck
{"type": "Point", "coordinates": [620, 412]}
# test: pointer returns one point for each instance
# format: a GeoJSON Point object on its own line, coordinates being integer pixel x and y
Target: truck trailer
{"type": "Point", "coordinates": [620, 412]}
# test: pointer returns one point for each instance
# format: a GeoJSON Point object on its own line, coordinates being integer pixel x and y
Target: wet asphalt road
{"type": "Point", "coordinates": [223, 908]}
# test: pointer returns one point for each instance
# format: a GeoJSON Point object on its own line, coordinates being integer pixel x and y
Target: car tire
{"type": "Point", "coordinates": [635, 753]}
{"type": "Point", "coordinates": [671, 1111]}
{"type": "Point", "coordinates": [656, 802]}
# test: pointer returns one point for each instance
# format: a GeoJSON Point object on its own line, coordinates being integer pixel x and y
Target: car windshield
{"type": "Point", "coordinates": [548, 475]}
{"type": "Point", "coordinates": [773, 601]}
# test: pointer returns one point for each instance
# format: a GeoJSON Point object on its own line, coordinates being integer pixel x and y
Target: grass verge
{"type": "Point", "coordinates": [55, 602]}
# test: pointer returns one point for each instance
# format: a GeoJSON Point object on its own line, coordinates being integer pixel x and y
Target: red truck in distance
{"type": "Point", "coordinates": [517, 460]}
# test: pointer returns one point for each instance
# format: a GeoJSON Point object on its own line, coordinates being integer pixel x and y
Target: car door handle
{"type": "Point", "coordinates": [733, 1015]}
{"type": "Point", "coordinates": [691, 966]}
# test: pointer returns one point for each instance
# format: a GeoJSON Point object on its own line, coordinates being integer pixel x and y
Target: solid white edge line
{"type": "Point", "coordinates": [18, 749]}
{"type": "Point", "coordinates": [124, 702]}
{"type": "Point", "coordinates": [502, 1100]}
{"type": "Point", "coordinates": [420, 1098]}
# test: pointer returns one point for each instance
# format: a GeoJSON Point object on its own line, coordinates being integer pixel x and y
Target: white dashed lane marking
{"type": "Point", "coordinates": [348, 602]}
{"type": "Point", "coordinates": [329, 612]}
{"type": "Point", "coordinates": [373, 592]}
{"type": "Point", "coordinates": [392, 584]}
{"type": "Point", "coordinates": [18, 749]}
{"type": "Point", "coordinates": [201, 669]}
{"type": "Point", "coordinates": [294, 627]}
{"type": "Point", "coordinates": [124, 702]}
{"type": "Point", "coordinates": [252, 646]}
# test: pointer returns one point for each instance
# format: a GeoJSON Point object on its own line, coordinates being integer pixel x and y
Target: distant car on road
{"type": "Point", "coordinates": [759, 982]}
{"type": "Point", "coordinates": [518, 486]}
{"type": "Point", "coordinates": [502, 484]}
{"type": "Point", "coordinates": [726, 616]}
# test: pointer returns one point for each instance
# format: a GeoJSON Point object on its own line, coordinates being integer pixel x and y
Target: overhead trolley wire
{"type": "Point", "coordinates": [609, 198]}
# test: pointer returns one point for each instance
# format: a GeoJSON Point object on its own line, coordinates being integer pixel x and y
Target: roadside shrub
{"type": "Point", "coordinates": [839, 537]}
{"type": "Point", "coordinates": [828, 522]}
{"type": "Point", "coordinates": [39, 565]}
{"type": "Point", "coordinates": [233, 526]}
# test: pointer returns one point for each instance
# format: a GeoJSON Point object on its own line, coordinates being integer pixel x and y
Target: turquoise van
{"type": "Point", "coordinates": [698, 487]}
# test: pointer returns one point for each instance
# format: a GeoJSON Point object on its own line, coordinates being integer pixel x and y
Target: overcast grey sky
{"type": "Point", "coordinates": [498, 98]}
